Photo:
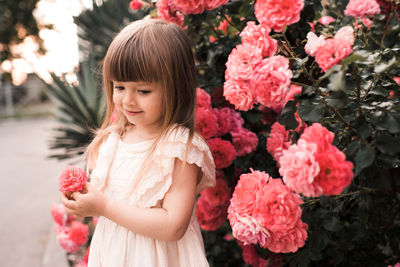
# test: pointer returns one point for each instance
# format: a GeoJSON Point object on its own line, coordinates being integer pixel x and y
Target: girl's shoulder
{"type": "Point", "coordinates": [180, 135]}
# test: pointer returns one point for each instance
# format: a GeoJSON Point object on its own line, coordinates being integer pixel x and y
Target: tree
{"type": "Point", "coordinates": [16, 23]}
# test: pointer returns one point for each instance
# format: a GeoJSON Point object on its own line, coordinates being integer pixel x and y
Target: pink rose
{"type": "Point", "coordinates": [397, 80]}
{"type": "Point", "coordinates": [224, 120]}
{"type": "Point", "coordinates": [271, 81]}
{"type": "Point", "coordinates": [277, 14]}
{"type": "Point", "coordinates": [189, 6]}
{"type": "Point", "coordinates": [72, 179]}
{"type": "Point", "coordinates": [65, 241]}
{"type": "Point", "coordinates": [299, 167]}
{"type": "Point", "coordinates": [313, 43]}
{"type": "Point", "coordinates": [245, 229]}
{"type": "Point", "coordinates": [314, 166]}
{"type": "Point", "coordinates": [244, 141]}
{"type": "Point", "coordinates": [167, 12]}
{"type": "Point", "coordinates": [236, 120]}
{"type": "Point", "coordinates": [294, 89]}
{"type": "Point", "coordinates": [277, 207]}
{"type": "Point", "coordinates": [278, 141]}
{"type": "Point", "coordinates": [212, 206]}
{"type": "Point", "coordinates": [335, 172]}
{"type": "Point", "coordinates": [326, 20]}
{"type": "Point", "coordinates": [206, 122]}
{"type": "Point", "coordinates": [244, 197]}
{"type": "Point", "coordinates": [78, 232]}
{"type": "Point", "coordinates": [251, 257]}
{"type": "Point", "coordinates": [58, 213]}
{"type": "Point", "coordinates": [289, 240]}
{"type": "Point", "coordinates": [258, 35]}
{"type": "Point", "coordinates": [242, 61]}
{"type": "Point", "coordinates": [318, 134]}
{"type": "Point", "coordinates": [238, 93]}
{"type": "Point", "coordinates": [362, 8]}
{"type": "Point", "coordinates": [346, 34]}
{"type": "Point", "coordinates": [332, 52]}
{"type": "Point", "coordinates": [223, 151]}
{"type": "Point", "coordinates": [203, 99]}
{"type": "Point", "coordinates": [219, 195]}
{"type": "Point", "coordinates": [135, 5]}
{"type": "Point", "coordinates": [210, 217]}
{"type": "Point", "coordinates": [358, 24]}
{"type": "Point", "coordinates": [212, 4]}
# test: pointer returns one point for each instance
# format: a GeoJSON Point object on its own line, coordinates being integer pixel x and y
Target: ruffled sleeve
{"type": "Point", "coordinates": [156, 183]}
{"type": "Point", "coordinates": [104, 159]}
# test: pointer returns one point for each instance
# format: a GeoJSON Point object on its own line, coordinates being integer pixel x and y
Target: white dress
{"type": "Point", "coordinates": [115, 246]}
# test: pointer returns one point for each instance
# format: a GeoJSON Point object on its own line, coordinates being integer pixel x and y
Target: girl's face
{"type": "Point", "coordinates": [140, 103]}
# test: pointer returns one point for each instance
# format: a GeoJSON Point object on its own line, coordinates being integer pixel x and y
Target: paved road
{"type": "Point", "coordinates": [28, 186]}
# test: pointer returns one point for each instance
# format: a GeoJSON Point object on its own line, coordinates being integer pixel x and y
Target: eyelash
{"type": "Point", "coordinates": [144, 92]}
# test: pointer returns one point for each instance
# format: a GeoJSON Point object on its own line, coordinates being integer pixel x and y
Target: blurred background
{"type": "Point", "coordinates": [50, 95]}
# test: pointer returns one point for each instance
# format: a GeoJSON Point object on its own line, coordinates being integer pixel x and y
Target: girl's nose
{"type": "Point", "coordinates": [129, 98]}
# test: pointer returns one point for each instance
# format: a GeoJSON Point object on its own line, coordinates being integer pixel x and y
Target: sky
{"type": "Point", "coordinates": [61, 43]}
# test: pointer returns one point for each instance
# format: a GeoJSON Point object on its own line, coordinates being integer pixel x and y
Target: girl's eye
{"type": "Point", "coordinates": [120, 88]}
{"type": "Point", "coordinates": [144, 92]}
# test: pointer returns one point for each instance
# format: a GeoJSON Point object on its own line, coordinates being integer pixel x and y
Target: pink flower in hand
{"type": "Point", "coordinates": [72, 179]}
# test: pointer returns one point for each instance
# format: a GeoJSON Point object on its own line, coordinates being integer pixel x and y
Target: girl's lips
{"type": "Point", "coordinates": [132, 113]}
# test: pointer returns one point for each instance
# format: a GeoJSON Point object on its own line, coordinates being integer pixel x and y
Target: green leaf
{"type": "Point", "coordinates": [311, 111]}
{"type": "Point", "coordinates": [336, 81]}
{"type": "Point", "coordinates": [287, 117]}
{"type": "Point", "coordinates": [388, 144]}
{"type": "Point", "coordinates": [385, 65]}
{"type": "Point", "coordinates": [364, 131]}
{"type": "Point", "coordinates": [364, 158]}
{"type": "Point", "coordinates": [332, 223]}
{"type": "Point", "coordinates": [337, 99]}
{"type": "Point", "coordinates": [356, 56]}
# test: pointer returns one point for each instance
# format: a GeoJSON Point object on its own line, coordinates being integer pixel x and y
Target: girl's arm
{"type": "Point", "coordinates": [166, 223]}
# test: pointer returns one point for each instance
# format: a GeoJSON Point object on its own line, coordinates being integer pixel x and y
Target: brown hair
{"type": "Point", "coordinates": [150, 50]}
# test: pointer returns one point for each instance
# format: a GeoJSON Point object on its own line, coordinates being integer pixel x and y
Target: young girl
{"type": "Point", "coordinates": [148, 165]}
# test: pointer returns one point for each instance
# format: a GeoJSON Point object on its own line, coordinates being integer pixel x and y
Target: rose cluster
{"type": "Point", "coordinates": [330, 51]}
{"type": "Point", "coordinates": [254, 74]}
{"type": "Point", "coordinates": [212, 205]}
{"type": "Point", "coordinates": [214, 123]}
{"type": "Point", "coordinates": [265, 211]}
{"type": "Point", "coordinates": [174, 10]}
{"type": "Point", "coordinates": [314, 166]}
{"type": "Point", "coordinates": [71, 234]}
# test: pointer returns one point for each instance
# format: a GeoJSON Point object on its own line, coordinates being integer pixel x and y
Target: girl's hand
{"type": "Point", "coordinates": [91, 203]}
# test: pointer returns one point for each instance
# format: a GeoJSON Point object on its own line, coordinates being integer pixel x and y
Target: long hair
{"type": "Point", "coordinates": [150, 50]}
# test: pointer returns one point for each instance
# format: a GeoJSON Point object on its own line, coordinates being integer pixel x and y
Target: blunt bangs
{"type": "Point", "coordinates": [133, 59]}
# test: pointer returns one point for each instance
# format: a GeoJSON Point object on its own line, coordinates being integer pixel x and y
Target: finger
{"type": "Point", "coordinates": [70, 212]}
{"type": "Point", "coordinates": [76, 195]}
{"type": "Point", "coordinates": [70, 204]}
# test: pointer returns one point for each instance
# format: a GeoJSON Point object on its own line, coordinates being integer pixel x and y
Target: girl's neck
{"type": "Point", "coordinates": [135, 134]}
